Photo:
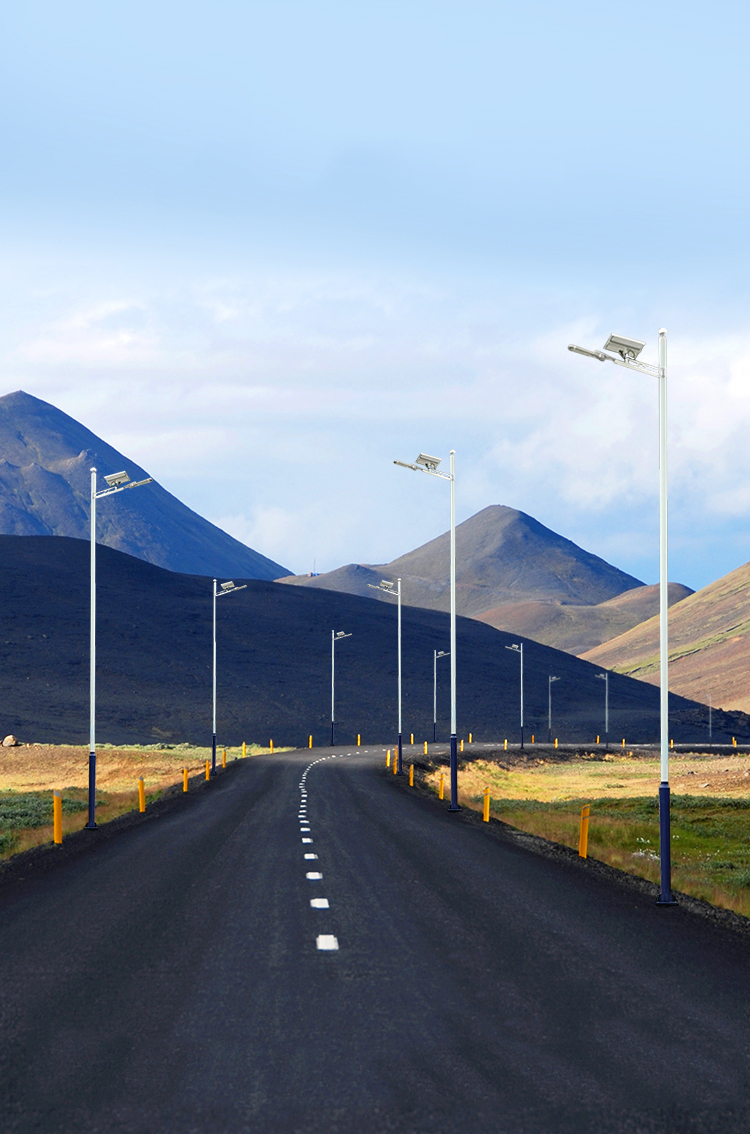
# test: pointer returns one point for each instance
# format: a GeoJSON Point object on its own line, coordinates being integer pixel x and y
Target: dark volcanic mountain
{"type": "Point", "coordinates": [502, 556]}
{"type": "Point", "coordinates": [274, 650]}
{"type": "Point", "coordinates": [45, 490]}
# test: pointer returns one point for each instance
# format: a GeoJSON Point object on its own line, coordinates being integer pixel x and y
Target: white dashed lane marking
{"type": "Point", "coordinates": [326, 941]}
{"type": "Point", "coordinates": [319, 903]}
{"type": "Point", "coordinates": [311, 856]}
{"type": "Point", "coordinates": [314, 875]}
{"type": "Point", "coordinates": [306, 840]}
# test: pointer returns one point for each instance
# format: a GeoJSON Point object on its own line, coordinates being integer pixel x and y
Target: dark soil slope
{"type": "Point", "coordinates": [45, 490]}
{"type": "Point", "coordinates": [154, 654]}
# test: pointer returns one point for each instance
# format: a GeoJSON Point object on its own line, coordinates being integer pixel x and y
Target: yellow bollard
{"type": "Point", "coordinates": [412, 738]}
{"type": "Point", "coordinates": [441, 786]}
{"type": "Point", "coordinates": [425, 748]}
{"type": "Point", "coordinates": [532, 738]}
{"type": "Point", "coordinates": [358, 739]}
{"type": "Point", "coordinates": [469, 738]}
{"type": "Point", "coordinates": [486, 808]}
{"type": "Point", "coordinates": [505, 746]}
{"type": "Point", "coordinates": [395, 765]}
{"type": "Point", "coordinates": [271, 743]}
{"type": "Point", "coordinates": [388, 759]}
{"type": "Point", "coordinates": [57, 817]}
{"type": "Point", "coordinates": [224, 759]}
{"type": "Point", "coordinates": [309, 742]}
{"type": "Point", "coordinates": [597, 740]}
{"type": "Point", "coordinates": [184, 779]}
{"type": "Point", "coordinates": [583, 835]}
{"type": "Point", "coordinates": [208, 769]}
{"type": "Point", "coordinates": [141, 794]}
{"type": "Point", "coordinates": [623, 741]}
{"type": "Point", "coordinates": [411, 775]}
{"type": "Point", "coordinates": [734, 741]}
{"type": "Point", "coordinates": [462, 744]}
{"type": "Point", "coordinates": [244, 750]}
{"type": "Point", "coordinates": [555, 742]}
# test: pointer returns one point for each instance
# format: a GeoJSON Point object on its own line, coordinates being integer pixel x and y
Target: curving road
{"type": "Point", "coordinates": [200, 973]}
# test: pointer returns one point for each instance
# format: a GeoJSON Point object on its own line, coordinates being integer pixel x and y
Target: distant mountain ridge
{"type": "Point", "coordinates": [45, 489]}
{"type": "Point", "coordinates": [503, 556]}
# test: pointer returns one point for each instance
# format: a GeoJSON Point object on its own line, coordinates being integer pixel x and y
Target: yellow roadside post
{"type": "Point", "coordinates": [244, 750]}
{"type": "Point", "coordinates": [184, 779]}
{"type": "Point", "coordinates": [359, 738]}
{"type": "Point", "coordinates": [555, 742]}
{"type": "Point", "coordinates": [469, 738]}
{"type": "Point", "coordinates": [395, 765]}
{"type": "Point", "coordinates": [597, 740]}
{"type": "Point", "coordinates": [208, 769]}
{"type": "Point", "coordinates": [462, 744]}
{"type": "Point", "coordinates": [411, 775]}
{"type": "Point", "coordinates": [309, 742]}
{"type": "Point", "coordinates": [388, 759]}
{"type": "Point", "coordinates": [532, 738]}
{"type": "Point", "coordinates": [671, 744]}
{"type": "Point", "coordinates": [486, 808]}
{"type": "Point", "coordinates": [224, 759]}
{"type": "Point", "coordinates": [425, 748]}
{"type": "Point", "coordinates": [57, 817]}
{"type": "Point", "coordinates": [412, 738]}
{"type": "Point", "coordinates": [441, 786]}
{"type": "Point", "coordinates": [623, 741]}
{"type": "Point", "coordinates": [271, 742]}
{"type": "Point", "coordinates": [583, 834]}
{"type": "Point", "coordinates": [505, 746]}
{"type": "Point", "coordinates": [141, 794]}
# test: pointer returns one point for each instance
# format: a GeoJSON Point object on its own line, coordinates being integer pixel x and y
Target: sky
{"type": "Point", "coordinates": [266, 248]}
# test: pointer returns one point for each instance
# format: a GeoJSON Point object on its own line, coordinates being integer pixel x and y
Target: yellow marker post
{"type": "Point", "coordinates": [208, 769]}
{"type": "Point", "coordinates": [469, 738]}
{"type": "Point", "coordinates": [583, 835]}
{"type": "Point", "coordinates": [671, 744]}
{"type": "Point", "coordinates": [411, 775]}
{"type": "Point", "coordinates": [57, 817]}
{"type": "Point", "coordinates": [359, 738]}
{"type": "Point", "coordinates": [141, 794]}
{"type": "Point", "coordinates": [271, 743]}
{"type": "Point", "coordinates": [462, 744]}
{"type": "Point", "coordinates": [532, 738]}
{"type": "Point", "coordinates": [597, 740]}
{"type": "Point", "coordinates": [244, 750]}
{"type": "Point", "coordinates": [441, 786]}
{"type": "Point", "coordinates": [734, 741]}
{"type": "Point", "coordinates": [425, 748]}
{"type": "Point", "coordinates": [412, 738]}
{"type": "Point", "coordinates": [395, 765]}
{"type": "Point", "coordinates": [623, 741]}
{"type": "Point", "coordinates": [486, 808]}
{"type": "Point", "coordinates": [505, 746]}
{"type": "Point", "coordinates": [555, 742]}
{"type": "Point", "coordinates": [184, 779]}
{"type": "Point", "coordinates": [388, 759]}
{"type": "Point", "coordinates": [224, 759]}
{"type": "Point", "coordinates": [309, 742]}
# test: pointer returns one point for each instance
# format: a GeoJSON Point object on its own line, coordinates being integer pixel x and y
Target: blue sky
{"type": "Point", "coordinates": [267, 247]}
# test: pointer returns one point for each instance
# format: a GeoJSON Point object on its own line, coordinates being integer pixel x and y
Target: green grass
{"type": "Point", "coordinates": [34, 809]}
{"type": "Point", "coordinates": [710, 838]}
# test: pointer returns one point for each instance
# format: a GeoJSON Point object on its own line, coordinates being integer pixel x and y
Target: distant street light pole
{"type": "Point", "coordinates": [225, 589]}
{"type": "Point", "coordinates": [334, 639]}
{"type": "Point", "coordinates": [387, 587]}
{"type": "Point", "coordinates": [605, 678]}
{"type": "Point", "coordinates": [435, 655]}
{"type": "Point", "coordinates": [710, 723]}
{"type": "Point", "coordinates": [427, 464]}
{"type": "Point", "coordinates": [627, 351]}
{"type": "Point", "coordinates": [519, 650]}
{"type": "Point", "coordinates": [549, 707]}
{"type": "Point", "coordinates": [116, 482]}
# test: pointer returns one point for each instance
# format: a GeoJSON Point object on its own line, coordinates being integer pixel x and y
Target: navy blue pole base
{"type": "Point", "coordinates": [454, 774]}
{"type": "Point", "coordinates": [521, 736]}
{"type": "Point", "coordinates": [92, 824]}
{"type": "Point", "coordinates": [331, 734]}
{"type": "Point", "coordinates": [400, 766]}
{"type": "Point", "coordinates": [213, 757]}
{"type": "Point", "coordinates": [665, 849]}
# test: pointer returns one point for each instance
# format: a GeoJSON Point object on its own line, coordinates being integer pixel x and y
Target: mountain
{"type": "Point", "coordinates": [274, 655]}
{"type": "Point", "coordinates": [502, 556]}
{"type": "Point", "coordinates": [580, 628]}
{"type": "Point", "coordinates": [709, 644]}
{"type": "Point", "coordinates": [45, 490]}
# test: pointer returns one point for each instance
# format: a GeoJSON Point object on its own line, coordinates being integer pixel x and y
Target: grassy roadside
{"type": "Point", "coordinates": [30, 773]}
{"type": "Point", "coordinates": [710, 832]}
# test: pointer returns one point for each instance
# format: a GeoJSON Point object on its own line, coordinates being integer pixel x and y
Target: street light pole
{"type": "Point", "coordinates": [426, 463]}
{"type": "Point", "coordinates": [549, 708]}
{"type": "Point", "coordinates": [225, 589]}
{"type": "Point", "coordinates": [116, 482]}
{"type": "Point", "coordinates": [519, 650]}
{"type": "Point", "coordinates": [339, 637]}
{"type": "Point", "coordinates": [435, 655]}
{"type": "Point", "coordinates": [605, 678]}
{"type": "Point", "coordinates": [386, 586]}
{"type": "Point", "coordinates": [625, 354]}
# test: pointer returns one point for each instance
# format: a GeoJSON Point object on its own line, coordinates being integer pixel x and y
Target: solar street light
{"type": "Point", "coordinates": [628, 351]}
{"type": "Point", "coordinates": [338, 637]}
{"type": "Point", "coordinates": [116, 482]}
{"type": "Point", "coordinates": [386, 586]}
{"type": "Point", "coordinates": [428, 464]}
{"type": "Point", "coordinates": [518, 648]}
{"type": "Point", "coordinates": [219, 592]}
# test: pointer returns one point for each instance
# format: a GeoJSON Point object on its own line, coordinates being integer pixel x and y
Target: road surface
{"type": "Point", "coordinates": [171, 979]}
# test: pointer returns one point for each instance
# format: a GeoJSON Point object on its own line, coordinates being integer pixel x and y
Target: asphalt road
{"type": "Point", "coordinates": [170, 979]}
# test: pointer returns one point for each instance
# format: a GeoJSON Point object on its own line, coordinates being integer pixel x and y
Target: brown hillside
{"type": "Point", "coordinates": [577, 628]}
{"type": "Point", "coordinates": [709, 645]}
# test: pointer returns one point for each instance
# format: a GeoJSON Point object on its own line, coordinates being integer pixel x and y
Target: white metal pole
{"type": "Point", "coordinates": [400, 766]}
{"type": "Point", "coordinates": [454, 742]}
{"type": "Point", "coordinates": [333, 640]}
{"type": "Point", "coordinates": [522, 694]}
{"type": "Point", "coordinates": [606, 708]}
{"type": "Point", "coordinates": [434, 695]}
{"type": "Point", "coordinates": [665, 849]}
{"type": "Point", "coordinates": [92, 824]}
{"type": "Point", "coordinates": [549, 710]}
{"type": "Point", "coordinates": [213, 718]}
